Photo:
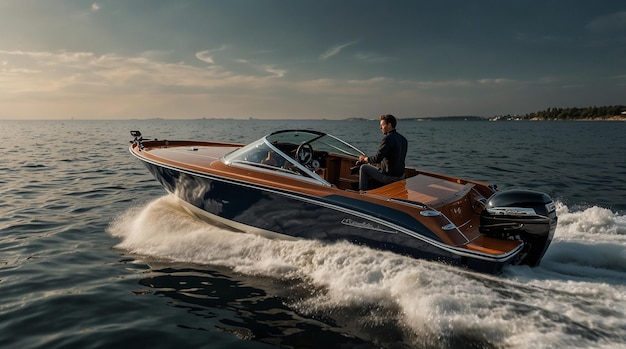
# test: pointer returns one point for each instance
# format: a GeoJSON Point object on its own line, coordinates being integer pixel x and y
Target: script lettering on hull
{"type": "Point", "coordinates": [366, 225]}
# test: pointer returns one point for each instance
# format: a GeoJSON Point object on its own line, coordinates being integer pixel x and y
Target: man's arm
{"type": "Point", "coordinates": [383, 150]}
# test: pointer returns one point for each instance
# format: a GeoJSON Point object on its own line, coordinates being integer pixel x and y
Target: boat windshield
{"type": "Point", "coordinates": [276, 153]}
{"type": "Point", "coordinates": [318, 140]}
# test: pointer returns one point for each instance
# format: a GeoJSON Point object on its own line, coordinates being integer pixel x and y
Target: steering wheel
{"type": "Point", "coordinates": [304, 153]}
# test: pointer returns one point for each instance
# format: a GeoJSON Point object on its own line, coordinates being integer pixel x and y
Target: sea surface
{"type": "Point", "coordinates": [95, 254]}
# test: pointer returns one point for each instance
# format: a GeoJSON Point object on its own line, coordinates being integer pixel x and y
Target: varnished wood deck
{"type": "Point", "coordinates": [425, 189]}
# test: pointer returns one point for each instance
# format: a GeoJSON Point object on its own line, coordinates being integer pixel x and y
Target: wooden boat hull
{"type": "Point", "coordinates": [286, 207]}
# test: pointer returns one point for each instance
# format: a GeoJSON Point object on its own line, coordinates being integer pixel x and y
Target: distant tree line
{"type": "Point", "coordinates": [578, 113]}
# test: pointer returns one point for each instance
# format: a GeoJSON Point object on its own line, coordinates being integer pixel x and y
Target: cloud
{"type": "Point", "coordinates": [95, 7]}
{"type": "Point", "coordinates": [207, 55]}
{"type": "Point", "coordinates": [612, 22]}
{"type": "Point", "coordinates": [496, 81]}
{"type": "Point", "coordinates": [204, 56]}
{"type": "Point", "coordinates": [539, 39]}
{"type": "Point", "coordinates": [373, 57]}
{"type": "Point", "coordinates": [147, 71]}
{"type": "Point", "coordinates": [335, 50]}
{"type": "Point", "coordinates": [64, 83]}
{"type": "Point", "coordinates": [278, 73]}
{"type": "Point", "coordinates": [66, 73]}
{"type": "Point", "coordinates": [76, 73]}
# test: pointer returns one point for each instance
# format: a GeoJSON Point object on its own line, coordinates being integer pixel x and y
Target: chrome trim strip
{"type": "Point", "coordinates": [409, 203]}
{"type": "Point", "coordinates": [450, 223]}
{"type": "Point", "coordinates": [512, 211]}
{"type": "Point", "coordinates": [464, 224]}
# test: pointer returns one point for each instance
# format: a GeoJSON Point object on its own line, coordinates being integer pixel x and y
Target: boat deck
{"type": "Point", "coordinates": [421, 187]}
{"type": "Point", "coordinates": [426, 189]}
{"type": "Point", "coordinates": [188, 154]}
{"type": "Point", "coordinates": [192, 155]}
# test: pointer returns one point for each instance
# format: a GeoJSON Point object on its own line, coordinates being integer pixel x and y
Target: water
{"type": "Point", "coordinates": [94, 254]}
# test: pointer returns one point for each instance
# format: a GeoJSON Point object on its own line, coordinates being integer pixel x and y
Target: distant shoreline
{"type": "Point", "coordinates": [605, 118]}
{"type": "Point", "coordinates": [513, 118]}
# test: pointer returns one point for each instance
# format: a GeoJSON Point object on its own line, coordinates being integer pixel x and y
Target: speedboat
{"type": "Point", "coordinates": [303, 184]}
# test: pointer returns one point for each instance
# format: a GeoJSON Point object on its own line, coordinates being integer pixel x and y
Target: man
{"type": "Point", "coordinates": [390, 156]}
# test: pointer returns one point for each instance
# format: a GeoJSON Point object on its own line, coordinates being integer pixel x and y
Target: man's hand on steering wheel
{"type": "Point", "coordinates": [304, 153]}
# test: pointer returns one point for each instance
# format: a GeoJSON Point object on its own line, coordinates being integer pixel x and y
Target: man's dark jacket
{"type": "Point", "coordinates": [391, 154]}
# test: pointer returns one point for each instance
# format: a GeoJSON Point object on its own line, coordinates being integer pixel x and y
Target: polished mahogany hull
{"type": "Point", "coordinates": [285, 208]}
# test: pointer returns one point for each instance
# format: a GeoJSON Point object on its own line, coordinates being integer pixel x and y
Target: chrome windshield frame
{"type": "Point", "coordinates": [344, 143]}
{"type": "Point", "coordinates": [305, 173]}
{"type": "Point", "coordinates": [317, 138]}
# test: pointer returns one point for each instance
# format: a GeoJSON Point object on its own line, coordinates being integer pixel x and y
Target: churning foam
{"type": "Point", "coordinates": [580, 285]}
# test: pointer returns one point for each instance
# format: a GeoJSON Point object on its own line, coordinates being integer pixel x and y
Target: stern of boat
{"type": "Point", "coordinates": [524, 215]}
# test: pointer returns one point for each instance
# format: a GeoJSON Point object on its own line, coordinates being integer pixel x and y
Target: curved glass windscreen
{"type": "Point", "coordinates": [318, 140]}
{"type": "Point", "coordinates": [291, 153]}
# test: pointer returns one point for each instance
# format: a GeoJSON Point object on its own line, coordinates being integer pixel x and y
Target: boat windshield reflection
{"type": "Point", "coordinates": [277, 153]}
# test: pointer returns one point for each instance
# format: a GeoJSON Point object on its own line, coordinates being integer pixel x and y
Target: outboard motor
{"type": "Point", "coordinates": [524, 215]}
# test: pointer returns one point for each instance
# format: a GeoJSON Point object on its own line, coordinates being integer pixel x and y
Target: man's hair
{"type": "Point", "coordinates": [389, 119]}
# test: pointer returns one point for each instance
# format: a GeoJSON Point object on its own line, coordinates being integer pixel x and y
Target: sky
{"type": "Point", "coordinates": [297, 59]}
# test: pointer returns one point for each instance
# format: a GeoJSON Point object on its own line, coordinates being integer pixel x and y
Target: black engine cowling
{"type": "Point", "coordinates": [525, 215]}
